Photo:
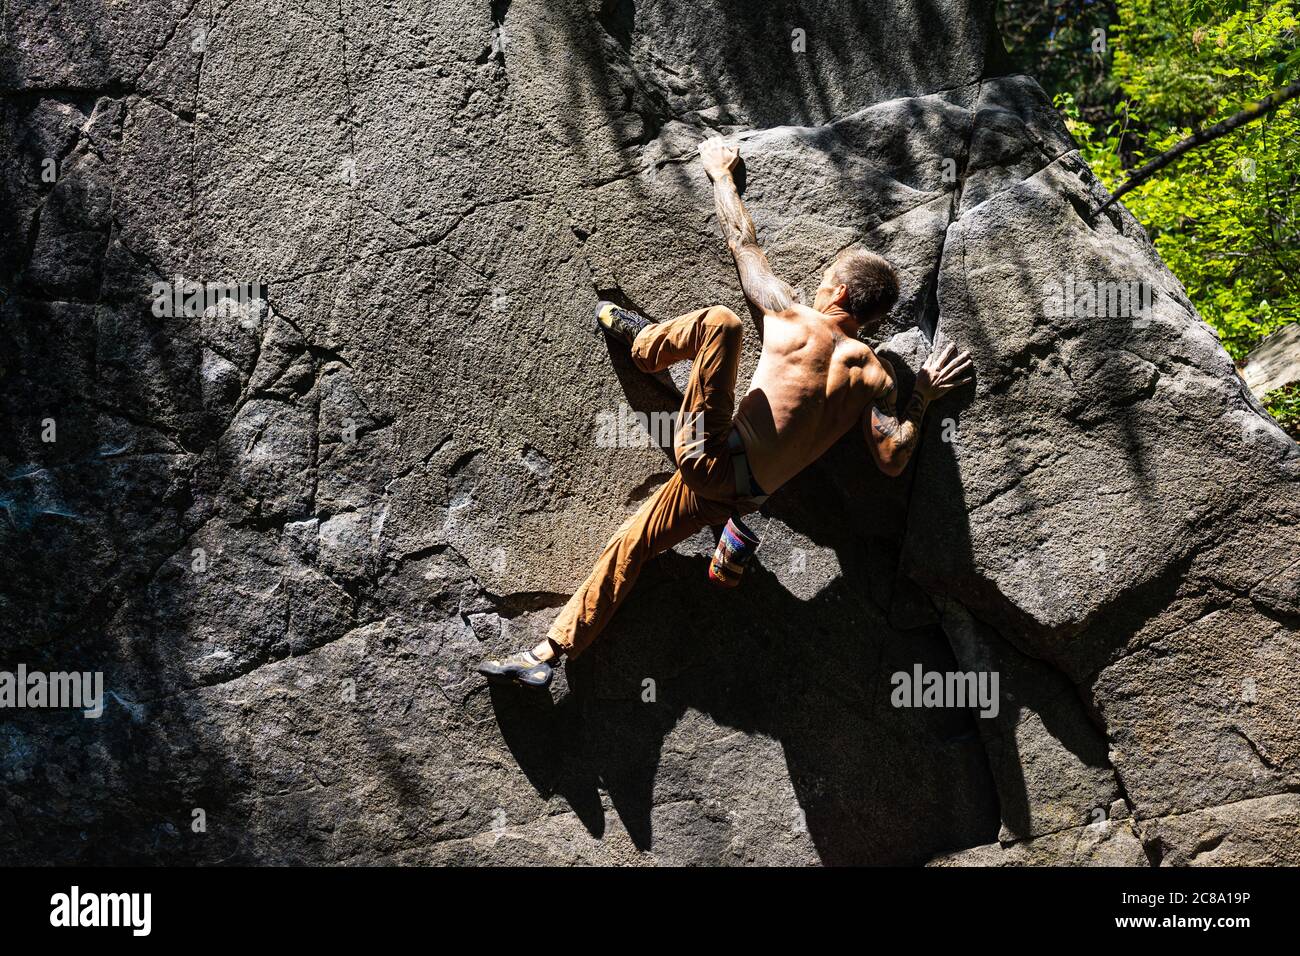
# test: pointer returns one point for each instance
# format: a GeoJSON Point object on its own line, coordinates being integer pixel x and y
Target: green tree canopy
{"type": "Point", "coordinates": [1225, 216]}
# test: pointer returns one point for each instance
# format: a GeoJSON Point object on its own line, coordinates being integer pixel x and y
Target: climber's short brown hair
{"type": "Point", "coordinates": [871, 281]}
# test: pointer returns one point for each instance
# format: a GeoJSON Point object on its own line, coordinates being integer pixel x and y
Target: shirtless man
{"type": "Point", "coordinates": [815, 380]}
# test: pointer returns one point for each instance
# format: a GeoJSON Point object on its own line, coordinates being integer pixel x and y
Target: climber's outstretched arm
{"type": "Point", "coordinates": [892, 435]}
{"type": "Point", "coordinates": [757, 280]}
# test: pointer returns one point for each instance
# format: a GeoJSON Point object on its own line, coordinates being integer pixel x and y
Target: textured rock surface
{"type": "Point", "coordinates": [287, 536]}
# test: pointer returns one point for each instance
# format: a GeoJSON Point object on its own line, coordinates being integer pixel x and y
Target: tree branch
{"type": "Point", "coordinates": [1202, 136]}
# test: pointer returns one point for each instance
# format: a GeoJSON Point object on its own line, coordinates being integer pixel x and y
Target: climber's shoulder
{"type": "Point", "coordinates": [797, 312]}
{"type": "Point", "coordinates": [878, 374]}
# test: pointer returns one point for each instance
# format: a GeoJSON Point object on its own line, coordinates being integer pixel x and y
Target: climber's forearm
{"type": "Point", "coordinates": [737, 227]}
{"type": "Point", "coordinates": [895, 436]}
{"type": "Point", "coordinates": [760, 284]}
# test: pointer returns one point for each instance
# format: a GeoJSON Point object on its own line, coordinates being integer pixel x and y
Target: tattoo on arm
{"type": "Point", "coordinates": [737, 227]}
{"type": "Point", "coordinates": [761, 286]}
{"type": "Point", "coordinates": [900, 433]}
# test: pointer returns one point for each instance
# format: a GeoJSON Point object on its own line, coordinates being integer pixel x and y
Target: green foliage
{"type": "Point", "coordinates": [1284, 405]}
{"type": "Point", "coordinates": [1186, 61]}
{"type": "Point", "coordinates": [1225, 216]}
{"type": "Point", "coordinates": [1100, 145]}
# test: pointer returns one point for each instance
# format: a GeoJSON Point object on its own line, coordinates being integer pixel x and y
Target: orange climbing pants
{"type": "Point", "coordinates": [702, 491]}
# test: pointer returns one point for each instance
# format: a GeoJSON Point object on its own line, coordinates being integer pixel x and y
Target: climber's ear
{"type": "Point", "coordinates": [834, 291]}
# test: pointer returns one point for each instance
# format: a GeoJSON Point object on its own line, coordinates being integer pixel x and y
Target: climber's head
{"type": "Point", "coordinates": [862, 284]}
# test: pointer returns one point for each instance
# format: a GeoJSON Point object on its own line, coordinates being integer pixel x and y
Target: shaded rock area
{"type": "Point", "coordinates": [286, 529]}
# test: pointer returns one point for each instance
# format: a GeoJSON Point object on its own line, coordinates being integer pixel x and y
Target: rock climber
{"type": "Point", "coordinates": [815, 380]}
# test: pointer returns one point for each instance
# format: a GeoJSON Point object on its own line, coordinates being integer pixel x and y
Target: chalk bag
{"type": "Point", "coordinates": [736, 547]}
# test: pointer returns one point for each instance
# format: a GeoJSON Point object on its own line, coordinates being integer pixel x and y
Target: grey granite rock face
{"type": "Point", "coordinates": [286, 531]}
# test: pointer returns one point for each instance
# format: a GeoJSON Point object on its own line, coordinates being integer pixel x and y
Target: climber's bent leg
{"type": "Point", "coordinates": [671, 515]}
{"type": "Point", "coordinates": [701, 492]}
{"type": "Point", "coordinates": [712, 337]}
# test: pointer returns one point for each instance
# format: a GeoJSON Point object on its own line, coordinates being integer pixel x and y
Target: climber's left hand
{"type": "Point", "coordinates": [944, 370]}
{"type": "Point", "coordinates": [719, 158]}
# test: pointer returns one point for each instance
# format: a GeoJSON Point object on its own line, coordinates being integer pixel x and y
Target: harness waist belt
{"type": "Point", "coordinates": [746, 485]}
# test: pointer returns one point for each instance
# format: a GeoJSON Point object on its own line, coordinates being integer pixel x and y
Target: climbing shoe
{"type": "Point", "coordinates": [522, 668]}
{"type": "Point", "coordinates": [618, 323]}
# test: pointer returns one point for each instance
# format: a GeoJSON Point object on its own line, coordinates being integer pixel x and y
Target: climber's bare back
{"type": "Point", "coordinates": [815, 379]}
{"type": "Point", "coordinates": [811, 386]}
